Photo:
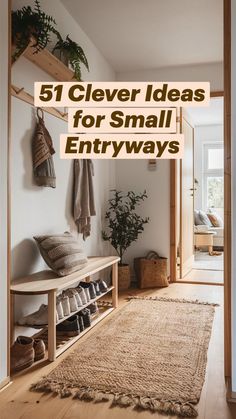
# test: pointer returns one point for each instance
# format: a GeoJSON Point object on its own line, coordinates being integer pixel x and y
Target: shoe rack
{"type": "Point", "coordinates": [47, 282]}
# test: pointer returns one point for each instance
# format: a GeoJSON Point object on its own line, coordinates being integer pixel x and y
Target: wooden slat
{"type": "Point", "coordinates": [173, 210]}
{"type": "Point", "coordinates": [21, 94]}
{"type": "Point", "coordinates": [51, 325]}
{"type": "Point", "coordinates": [115, 285]}
{"type": "Point", "coordinates": [227, 187]}
{"type": "Point", "coordinates": [49, 63]}
{"type": "Point", "coordinates": [44, 281]}
{"type": "Point", "coordinates": [217, 93]}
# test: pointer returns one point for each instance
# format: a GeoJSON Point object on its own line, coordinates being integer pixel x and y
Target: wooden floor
{"type": "Point", "coordinates": [16, 402]}
{"type": "Point", "coordinates": [204, 275]}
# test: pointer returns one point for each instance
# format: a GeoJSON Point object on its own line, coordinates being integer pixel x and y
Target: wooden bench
{"type": "Point", "coordinates": [47, 282]}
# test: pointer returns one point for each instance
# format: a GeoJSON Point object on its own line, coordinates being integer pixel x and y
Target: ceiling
{"type": "Point", "coordinates": [210, 115]}
{"type": "Point", "coordinates": [146, 34]}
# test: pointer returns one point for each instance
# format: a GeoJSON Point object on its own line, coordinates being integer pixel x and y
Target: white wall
{"type": "Point", "coordinates": [212, 72]}
{"type": "Point", "coordinates": [203, 134]}
{"type": "Point", "coordinates": [37, 210]}
{"type": "Point", "coordinates": [233, 136]}
{"type": "Point", "coordinates": [3, 185]}
{"type": "Point", "coordinates": [134, 175]}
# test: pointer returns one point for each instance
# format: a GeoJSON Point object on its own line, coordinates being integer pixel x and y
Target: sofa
{"type": "Point", "coordinates": [202, 224]}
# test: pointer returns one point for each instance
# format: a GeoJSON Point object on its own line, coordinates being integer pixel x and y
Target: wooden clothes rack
{"type": "Point", "coordinates": [21, 94]}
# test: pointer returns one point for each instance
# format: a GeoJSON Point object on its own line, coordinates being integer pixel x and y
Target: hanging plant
{"type": "Point", "coordinates": [72, 53]}
{"type": "Point", "coordinates": [31, 24]}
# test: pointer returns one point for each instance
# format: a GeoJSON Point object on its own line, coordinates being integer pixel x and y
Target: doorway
{"type": "Point", "coordinates": [200, 213]}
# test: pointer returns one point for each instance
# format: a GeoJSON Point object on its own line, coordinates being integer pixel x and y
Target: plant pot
{"type": "Point", "coordinates": [123, 277]}
{"type": "Point", "coordinates": [62, 56]}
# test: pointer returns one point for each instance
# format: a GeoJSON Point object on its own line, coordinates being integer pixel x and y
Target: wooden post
{"type": "Point", "coordinates": [115, 285]}
{"type": "Point", "coordinates": [12, 319]}
{"type": "Point", "coordinates": [52, 325]}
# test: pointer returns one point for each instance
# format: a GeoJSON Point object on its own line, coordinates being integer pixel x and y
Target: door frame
{"type": "Point", "coordinates": [179, 174]}
{"type": "Point", "coordinates": [227, 194]}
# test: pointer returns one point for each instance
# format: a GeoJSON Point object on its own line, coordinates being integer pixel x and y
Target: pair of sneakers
{"type": "Point", "coordinates": [70, 302]}
{"type": "Point", "coordinates": [74, 325]}
{"type": "Point", "coordinates": [93, 288]}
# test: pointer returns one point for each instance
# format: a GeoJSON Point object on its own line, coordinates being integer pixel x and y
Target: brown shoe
{"type": "Point", "coordinates": [22, 353]}
{"type": "Point", "coordinates": [39, 349]}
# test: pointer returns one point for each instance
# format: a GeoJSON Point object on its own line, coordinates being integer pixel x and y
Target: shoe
{"type": "Point", "coordinates": [81, 323]}
{"type": "Point", "coordinates": [93, 308]}
{"type": "Point", "coordinates": [59, 309]}
{"type": "Point", "coordinates": [22, 353]}
{"type": "Point", "coordinates": [82, 294]}
{"type": "Point", "coordinates": [72, 300]}
{"type": "Point", "coordinates": [97, 288]}
{"type": "Point", "coordinates": [85, 286]}
{"type": "Point", "coordinates": [77, 297]}
{"type": "Point", "coordinates": [85, 313]}
{"type": "Point", "coordinates": [38, 318]}
{"type": "Point", "coordinates": [69, 327]}
{"type": "Point", "coordinates": [65, 304]}
{"type": "Point", "coordinates": [102, 285]}
{"type": "Point", "coordinates": [39, 349]}
{"type": "Point", "coordinates": [92, 291]}
{"type": "Point", "coordinates": [89, 290]}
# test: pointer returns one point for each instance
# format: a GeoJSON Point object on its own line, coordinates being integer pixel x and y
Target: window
{"type": "Point", "coordinates": [213, 190]}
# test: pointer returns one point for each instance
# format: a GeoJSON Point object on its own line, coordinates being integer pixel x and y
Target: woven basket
{"type": "Point", "coordinates": [151, 273]}
{"type": "Point", "coordinates": [123, 277]}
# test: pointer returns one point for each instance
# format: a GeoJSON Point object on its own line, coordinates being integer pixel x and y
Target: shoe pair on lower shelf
{"type": "Point", "coordinates": [75, 324]}
{"type": "Point", "coordinates": [25, 351]}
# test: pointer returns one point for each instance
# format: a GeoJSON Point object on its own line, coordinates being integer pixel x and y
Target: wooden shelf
{"type": "Point", "coordinates": [94, 322]}
{"type": "Point", "coordinates": [49, 63]}
{"type": "Point", "coordinates": [85, 305]}
{"type": "Point", "coordinates": [64, 342]}
{"type": "Point", "coordinates": [44, 281]}
{"type": "Point", "coordinates": [43, 326]}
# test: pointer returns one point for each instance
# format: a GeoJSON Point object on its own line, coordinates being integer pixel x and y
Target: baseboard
{"type": "Point", "coordinates": [4, 384]}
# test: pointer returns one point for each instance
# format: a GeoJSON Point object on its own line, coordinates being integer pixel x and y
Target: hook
{"type": "Point", "coordinates": [42, 113]}
{"type": "Point", "coordinates": [18, 91]}
{"type": "Point", "coordinates": [63, 114]}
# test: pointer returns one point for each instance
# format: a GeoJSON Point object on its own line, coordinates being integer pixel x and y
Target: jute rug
{"type": "Point", "coordinates": [151, 354]}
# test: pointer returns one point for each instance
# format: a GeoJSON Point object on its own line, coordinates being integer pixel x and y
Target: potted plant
{"type": "Point", "coordinates": [124, 225]}
{"type": "Point", "coordinates": [31, 25]}
{"type": "Point", "coordinates": [70, 52]}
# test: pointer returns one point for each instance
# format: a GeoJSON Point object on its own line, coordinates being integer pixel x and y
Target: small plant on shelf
{"type": "Point", "coordinates": [31, 25]}
{"type": "Point", "coordinates": [124, 226]}
{"type": "Point", "coordinates": [72, 53]}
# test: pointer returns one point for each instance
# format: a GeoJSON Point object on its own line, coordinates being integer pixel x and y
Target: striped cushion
{"type": "Point", "coordinates": [62, 253]}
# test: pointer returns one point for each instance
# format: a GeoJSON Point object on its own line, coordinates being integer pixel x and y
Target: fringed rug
{"type": "Point", "coordinates": [151, 354]}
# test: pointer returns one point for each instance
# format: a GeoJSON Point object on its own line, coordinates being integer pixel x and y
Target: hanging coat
{"type": "Point", "coordinates": [83, 197]}
{"type": "Point", "coordinates": [42, 149]}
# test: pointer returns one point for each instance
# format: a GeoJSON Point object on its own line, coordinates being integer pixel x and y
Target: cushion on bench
{"type": "Point", "coordinates": [61, 253]}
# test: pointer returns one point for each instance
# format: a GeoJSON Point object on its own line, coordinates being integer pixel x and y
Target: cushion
{"type": "Point", "coordinates": [197, 219]}
{"type": "Point", "coordinates": [204, 218]}
{"type": "Point", "coordinates": [218, 230]}
{"type": "Point", "coordinates": [61, 253]}
{"type": "Point", "coordinates": [215, 219]}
